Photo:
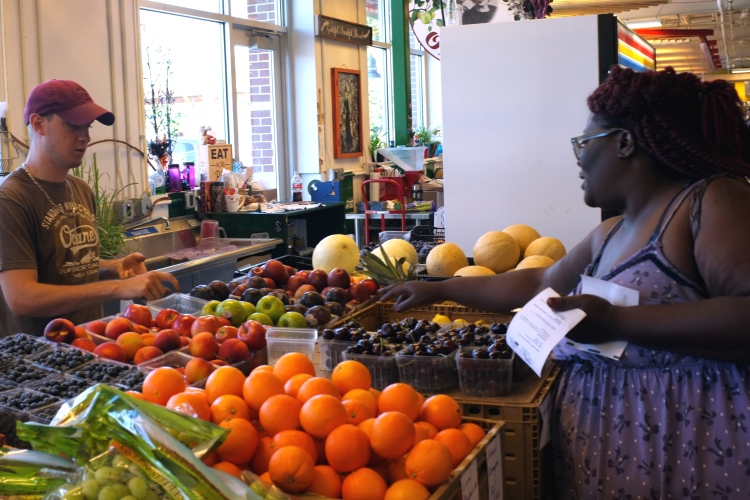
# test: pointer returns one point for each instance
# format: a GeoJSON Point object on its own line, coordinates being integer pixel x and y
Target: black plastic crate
{"type": "Point", "coordinates": [296, 261]}
{"type": "Point", "coordinates": [428, 233]}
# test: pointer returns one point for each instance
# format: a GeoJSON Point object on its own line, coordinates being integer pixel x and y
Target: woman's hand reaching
{"type": "Point", "coordinates": [410, 294]}
{"type": "Point", "coordinates": [596, 327]}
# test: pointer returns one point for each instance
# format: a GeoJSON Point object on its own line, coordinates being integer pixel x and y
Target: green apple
{"type": "Point", "coordinates": [249, 308]}
{"type": "Point", "coordinates": [272, 306]}
{"type": "Point", "coordinates": [292, 319]}
{"type": "Point", "coordinates": [261, 318]}
{"type": "Point", "coordinates": [210, 308]}
{"type": "Point", "coordinates": [232, 310]}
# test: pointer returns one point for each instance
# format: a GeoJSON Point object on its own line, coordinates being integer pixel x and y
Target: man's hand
{"type": "Point", "coordinates": [596, 327]}
{"type": "Point", "coordinates": [148, 286]}
{"type": "Point", "coordinates": [131, 265]}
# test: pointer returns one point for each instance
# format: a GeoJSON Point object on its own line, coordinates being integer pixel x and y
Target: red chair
{"type": "Point", "coordinates": [399, 190]}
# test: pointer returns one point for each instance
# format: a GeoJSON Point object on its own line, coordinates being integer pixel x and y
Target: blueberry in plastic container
{"type": "Point", "coordinates": [63, 358]}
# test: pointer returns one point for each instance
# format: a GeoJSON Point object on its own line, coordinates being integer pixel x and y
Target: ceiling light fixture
{"type": "Point", "coordinates": [644, 23]}
{"type": "Point", "coordinates": [740, 70]}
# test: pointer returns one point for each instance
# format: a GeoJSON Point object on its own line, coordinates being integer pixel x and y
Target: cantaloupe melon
{"type": "Point", "coordinates": [533, 261]}
{"type": "Point", "coordinates": [497, 251]}
{"type": "Point", "coordinates": [523, 235]}
{"type": "Point", "coordinates": [336, 250]}
{"type": "Point", "coordinates": [445, 259]}
{"type": "Point", "coordinates": [547, 246]}
{"type": "Point", "coordinates": [397, 248]}
{"type": "Point", "coordinates": [474, 271]}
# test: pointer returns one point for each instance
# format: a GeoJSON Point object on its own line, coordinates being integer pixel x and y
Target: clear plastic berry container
{"type": "Point", "coordinates": [61, 358]}
{"type": "Point", "coordinates": [102, 371]}
{"type": "Point", "coordinates": [332, 352]}
{"type": "Point", "coordinates": [427, 373]}
{"type": "Point", "coordinates": [22, 345]}
{"type": "Point", "coordinates": [281, 341]}
{"type": "Point", "coordinates": [180, 302]}
{"type": "Point", "coordinates": [15, 406]}
{"type": "Point", "coordinates": [483, 377]}
{"type": "Point", "coordinates": [45, 414]}
{"type": "Point", "coordinates": [383, 369]}
{"type": "Point", "coordinates": [64, 387]}
{"type": "Point", "coordinates": [23, 373]}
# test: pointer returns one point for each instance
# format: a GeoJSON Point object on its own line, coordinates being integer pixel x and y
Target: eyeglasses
{"type": "Point", "coordinates": [581, 140]}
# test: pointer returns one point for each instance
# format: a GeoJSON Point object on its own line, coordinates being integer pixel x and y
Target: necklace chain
{"type": "Point", "coordinates": [67, 182]}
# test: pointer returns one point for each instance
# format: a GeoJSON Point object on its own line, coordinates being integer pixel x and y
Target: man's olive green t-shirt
{"type": "Point", "coordinates": [60, 243]}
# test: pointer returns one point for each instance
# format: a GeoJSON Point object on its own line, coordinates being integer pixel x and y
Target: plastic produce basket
{"type": "Point", "coordinates": [102, 370]}
{"type": "Point", "coordinates": [65, 387]}
{"type": "Point", "coordinates": [12, 411]}
{"type": "Point", "coordinates": [23, 373]}
{"type": "Point", "coordinates": [23, 345]}
{"type": "Point", "coordinates": [281, 341]}
{"type": "Point", "coordinates": [427, 373]}
{"type": "Point", "coordinates": [484, 377]}
{"type": "Point", "coordinates": [383, 369]}
{"type": "Point", "coordinates": [61, 358]}
{"type": "Point", "coordinates": [332, 352]}
{"type": "Point", "coordinates": [180, 302]}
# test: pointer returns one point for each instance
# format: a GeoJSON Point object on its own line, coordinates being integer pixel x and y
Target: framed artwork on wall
{"type": "Point", "coordinates": [347, 113]}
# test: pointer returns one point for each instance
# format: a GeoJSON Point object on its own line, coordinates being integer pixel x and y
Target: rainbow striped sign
{"type": "Point", "coordinates": [633, 51]}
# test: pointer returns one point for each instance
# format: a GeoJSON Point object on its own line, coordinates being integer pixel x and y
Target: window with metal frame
{"type": "Point", "coordinates": [379, 70]}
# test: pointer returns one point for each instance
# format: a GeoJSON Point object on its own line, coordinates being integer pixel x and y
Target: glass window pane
{"type": "Point", "coordinates": [377, 82]}
{"type": "Point", "coordinates": [213, 6]}
{"type": "Point", "coordinates": [413, 43]}
{"type": "Point", "coordinates": [179, 57]}
{"type": "Point", "coordinates": [377, 18]}
{"type": "Point", "coordinates": [256, 142]}
{"type": "Point", "coordinates": [417, 91]}
{"type": "Point", "coordinates": [266, 11]}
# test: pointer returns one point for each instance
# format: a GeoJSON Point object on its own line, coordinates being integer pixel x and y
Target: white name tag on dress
{"type": "Point", "coordinates": [615, 294]}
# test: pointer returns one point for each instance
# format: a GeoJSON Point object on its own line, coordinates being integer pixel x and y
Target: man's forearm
{"type": "Point", "coordinates": [42, 300]}
{"type": "Point", "coordinates": [108, 269]}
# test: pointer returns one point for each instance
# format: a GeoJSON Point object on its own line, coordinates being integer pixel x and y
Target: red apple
{"type": "Point", "coordinates": [118, 326]}
{"type": "Point", "coordinates": [198, 369]}
{"type": "Point", "coordinates": [339, 277]}
{"type": "Point", "coordinates": [253, 334]}
{"type": "Point", "coordinates": [256, 271]}
{"type": "Point", "coordinates": [138, 313]}
{"type": "Point", "coordinates": [185, 341]}
{"type": "Point", "coordinates": [60, 330]}
{"type": "Point", "coordinates": [302, 290]}
{"type": "Point", "coordinates": [225, 333]}
{"type": "Point", "coordinates": [223, 321]}
{"type": "Point", "coordinates": [204, 324]}
{"type": "Point", "coordinates": [145, 353]}
{"type": "Point", "coordinates": [293, 283]}
{"type": "Point", "coordinates": [358, 291]}
{"type": "Point", "coordinates": [276, 271]}
{"type": "Point", "coordinates": [270, 283]}
{"type": "Point", "coordinates": [233, 351]}
{"type": "Point", "coordinates": [165, 318]}
{"type": "Point", "coordinates": [167, 340]}
{"type": "Point", "coordinates": [85, 344]}
{"type": "Point", "coordinates": [303, 274]}
{"type": "Point", "coordinates": [110, 350]}
{"type": "Point", "coordinates": [238, 291]}
{"type": "Point", "coordinates": [204, 346]}
{"type": "Point", "coordinates": [182, 324]}
{"type": "Point", "coordinates": [97, 327]}
{"type": "Point", "coordinates": [290, 270]}
{"type": "Point", "coordinates": [318, 278]}
{"type": "Point", "coordinates": [371, 285]}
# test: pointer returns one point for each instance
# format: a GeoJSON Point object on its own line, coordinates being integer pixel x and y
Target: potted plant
{"type": "Point", "coordinates": [376, 142]}
{"type": "Point", "coordinates": [162, 119]}
{"type": "Point", "coordinates": [428, 137]}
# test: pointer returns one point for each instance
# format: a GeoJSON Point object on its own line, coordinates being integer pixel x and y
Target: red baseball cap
{"type": "Point", "coordinates": [68, 100]}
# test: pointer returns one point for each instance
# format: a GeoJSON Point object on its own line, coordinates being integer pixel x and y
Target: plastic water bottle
{"type": "Point", "coordinates": [296, 187]}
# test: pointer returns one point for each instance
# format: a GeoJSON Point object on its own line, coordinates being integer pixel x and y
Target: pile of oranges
{"type": "Point", "coordinates": [334, 437]}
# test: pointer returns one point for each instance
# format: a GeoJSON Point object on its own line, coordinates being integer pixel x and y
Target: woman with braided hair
{"type": "Point", "coordinates": [671, 417]}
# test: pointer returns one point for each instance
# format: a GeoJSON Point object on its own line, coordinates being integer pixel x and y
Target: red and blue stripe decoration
{"type": "Point", "coordinates": [633, 51]}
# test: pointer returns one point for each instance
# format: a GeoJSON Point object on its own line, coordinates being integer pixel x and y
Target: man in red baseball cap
{"type": "Point", "coordinates": [49, 242]}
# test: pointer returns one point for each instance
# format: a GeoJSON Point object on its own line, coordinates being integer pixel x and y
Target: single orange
{"type": "Point", "coordinates": [364, 484]}
{"type": "Point", "coordinates": [266, 478]}
{"type": "Point", "coordinates": [266, 448]}
{"type": "Point", "coordinates": [291, 469]}
{"type": "Point", "coordinates": [229, 468]}
{"type": "Point", "coordinates": [392, 435]}
{"type": "Point", "coordinates": [224, 380]}
{"type": "Point", "coordinates": [326, 482]}
{"type": "Point", "coordinates": [297, 438]}
{"type": "Point", "coordinates": [161, 384]}
{"type": "Point", "coordinates": [347, 448]}
{"type": "Point", "coordinates": [400, 397]}
{"type": "Point", "coordinates": [424, 430]}
{"type": "Point", "coordinates": [136, 395]}
{"type": "Point", "coordinates": [407, 489]}
{"type": "Point", "coordinates": [365, 396]}
{"type": "Point", "coordinates": [262, 368]}
{"type": "Point", "coordinates": [366, 427]}
{"type": "Point", "coordinates": [291, 364]}
{"type": "Point", "coordinates": [351, 374]}
{"type": "Point", "coordinates": [441, 411]}
{"type": "Point", "coordinates": [293, 384]}
{"type": "Point", "coordinates": [397, 470]}
{"type": "Point", "coordinates": [211, 459]}
{"type": "Point", "coordinates": [457, 442]}
{"type": "Point", "coordinates": [259, 387]}
{"type": "Point", "coordinates": [315, 386]}
{"type": "Point", "coordinates": [357, 411]}
{"type": "Point", "coordinates": [279, 413]}
{"type": "Point", "coordinates": [240, 444]}
{"type": "Point", "coordinates": [190, 403]}
{"type": "Point", "coordinates": [321, 414]}
{"type": "Point", "coordinates": [227, 407]}
{"type": "Point", "coordinates": [473, 431]}
{"type": "Point", "coordinates": [430, 463]}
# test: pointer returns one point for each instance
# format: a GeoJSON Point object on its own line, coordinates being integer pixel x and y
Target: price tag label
{"type": "Point", "coordinates": [470, 482]}
{"type": "Point", "coordinates": [495, 468]}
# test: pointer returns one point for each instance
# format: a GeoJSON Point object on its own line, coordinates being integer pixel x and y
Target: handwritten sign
{"type": "Point", "coordinates": [470, 482]}
{"type": "Point", "coordinates": [219, 159]}
{"type": "Point", "coordinates": [344, 31]}
{"type": "Point", "coordinates": [495, 468]}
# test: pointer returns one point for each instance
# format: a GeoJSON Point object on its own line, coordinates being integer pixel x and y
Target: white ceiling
{"type": "Point", "coordinates": [684, 54]}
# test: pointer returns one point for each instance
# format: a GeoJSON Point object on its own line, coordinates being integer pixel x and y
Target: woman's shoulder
{"type": "Point", "coordinates": [724, 192]}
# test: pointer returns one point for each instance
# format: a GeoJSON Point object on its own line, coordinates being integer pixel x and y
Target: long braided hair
{"type": "Point", "coordinates": [691, 127]}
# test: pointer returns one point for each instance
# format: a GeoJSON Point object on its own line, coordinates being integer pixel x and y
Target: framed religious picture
{"type": "Point", "coordinates": [347, 113]}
